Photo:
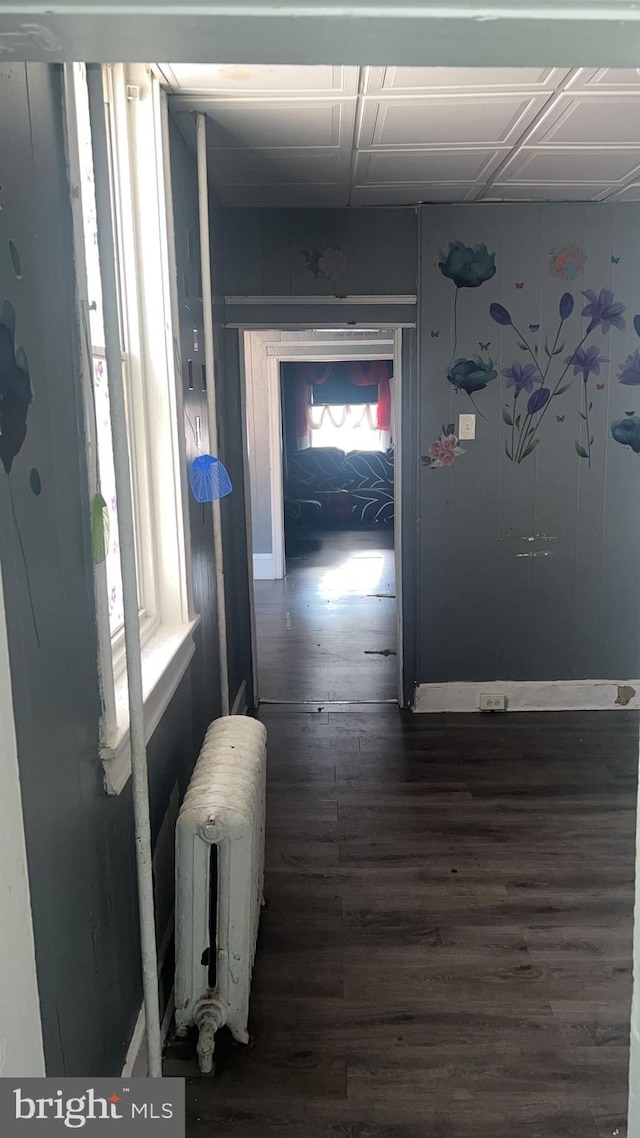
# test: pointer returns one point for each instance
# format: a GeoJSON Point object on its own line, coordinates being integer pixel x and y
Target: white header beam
{"type": "Point", "coordinates": [414, 33]}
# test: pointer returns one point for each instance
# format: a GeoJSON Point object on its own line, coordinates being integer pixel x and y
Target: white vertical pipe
{"type": "Point", "coordinates": [209, 360]}
{"type": "Point", "coordinates": [106, 249]}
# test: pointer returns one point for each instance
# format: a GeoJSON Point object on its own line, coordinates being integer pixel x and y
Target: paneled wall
{"type": "Point", "coordinates": [325, 252]}
{"type": "Point", "coordinates": [529, 547]}
{"type": "Point", "coordinates": [80, 843]}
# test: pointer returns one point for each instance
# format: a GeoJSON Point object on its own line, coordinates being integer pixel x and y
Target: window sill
{"type": "Point", "coordinates": [165, 658]}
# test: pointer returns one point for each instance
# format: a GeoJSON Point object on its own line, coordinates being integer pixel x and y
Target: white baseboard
{"type": "Point", "coordinates": [266, 568]}
{"type": "Point", "coordinates": [552, 695]}
{"type": "Point", "coordinates": [135, 1064]}
{"type": "Point", "coordinates": [136, 1058]}
{"type": "Point", "coordinates": [240, 702]}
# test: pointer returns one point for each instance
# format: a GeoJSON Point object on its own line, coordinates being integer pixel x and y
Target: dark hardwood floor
{"type": "Point", "coordinates": [446, 951]}
{"type": "Point", "coordinates": [320, 632]}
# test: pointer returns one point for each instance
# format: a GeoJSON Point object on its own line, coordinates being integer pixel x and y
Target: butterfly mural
{"type": "Point", "coordinates": [484, 347]}
{"type": "Point", "coordinates": [615, 260]}
{"type": "Point", "coordinates": [519, 284]}
{"type": "Point", "coordinates": [561, 418]}
{"type": "Point", "coordinates": [534, 327]}
{"type": "Point", "coordinates": [435, 334]}
{"type": "Point", "coordinates": [600, 386]}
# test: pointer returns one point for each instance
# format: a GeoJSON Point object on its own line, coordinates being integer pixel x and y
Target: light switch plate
{"type": "Point", "coordinates": [466, 427]}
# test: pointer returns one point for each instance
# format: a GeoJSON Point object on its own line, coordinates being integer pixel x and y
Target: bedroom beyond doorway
{"type": "Point", "coordinates": [325, 500]}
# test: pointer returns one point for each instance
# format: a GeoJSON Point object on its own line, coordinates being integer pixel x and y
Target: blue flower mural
{"type": "Point", "coordinates": [467, 267]}
{"type": "Point", "coordinates": [15, 389]}
{"type": "Point", "coordinates": [471, 375]}
{"type": "Point", "coordinates": [15, 399]}
{"type": "Point", "coordinates": [627, 432]}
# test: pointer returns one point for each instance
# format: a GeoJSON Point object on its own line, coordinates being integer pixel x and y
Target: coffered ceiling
{"type": "Point", "coordinates": [335, 136]}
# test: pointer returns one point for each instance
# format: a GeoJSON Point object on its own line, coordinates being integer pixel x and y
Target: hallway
{"type": "Point", "coordinates": [324, 630]}
{"type": "Point", "coordinates": [447, 944]}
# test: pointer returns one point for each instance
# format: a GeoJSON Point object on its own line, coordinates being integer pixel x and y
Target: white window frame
{"type": "Point", "coordinates": [145, 264]}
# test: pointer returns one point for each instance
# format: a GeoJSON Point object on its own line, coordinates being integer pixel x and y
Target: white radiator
{"type": "Point", "coordinates": [224, 806]}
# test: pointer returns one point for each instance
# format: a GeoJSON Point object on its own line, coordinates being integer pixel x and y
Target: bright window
{"type": "Point", "coordinates": [138, 172]}
{"type": "Point", "coordinates": [344, 426]}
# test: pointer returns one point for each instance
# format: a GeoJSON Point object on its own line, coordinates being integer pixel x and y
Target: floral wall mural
{"type": "Point", "coordinates": [16, 396]}
{"type": "Point", "coordinates": [529, 318]}
{"type": "Point", "coordinates": [468, 267]}
{"type": "Point", "coordinates": [627, 431]}
{"type": "Point", "coordinates": [545, 379]}
{"type": "Point", "coordinates": [328, 262]}
{"type": "Point", "coordinates": [548, 373]}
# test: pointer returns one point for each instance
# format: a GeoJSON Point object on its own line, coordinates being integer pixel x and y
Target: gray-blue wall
{"type": "Point", "coordinates": [264, 251]}
{"type": "Point", "coordinates": [80, 843]}
{"type": "Point", "coordinates": [528, 570]}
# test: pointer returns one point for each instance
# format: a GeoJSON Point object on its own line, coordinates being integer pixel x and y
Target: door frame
{"type": "Point", "coordinates": [272, 353]}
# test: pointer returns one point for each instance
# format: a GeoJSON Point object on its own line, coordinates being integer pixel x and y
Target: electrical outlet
{"type": "Point", "coordinates": [466, 426]}
{"type": "Point", "coordinates": [494, 701]}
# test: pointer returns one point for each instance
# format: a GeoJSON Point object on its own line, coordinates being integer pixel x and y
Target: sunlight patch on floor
{"type": "Point", "coordinates": [357, 576]}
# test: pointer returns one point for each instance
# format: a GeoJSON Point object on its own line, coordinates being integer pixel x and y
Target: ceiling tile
{"type": "Point", "coordinates": [401, 167]}
{"type": "Point", "coordinates": [269, 124]}
{"type": "Point", "coordinates": [577, 164]}
{"type": "Point", "coordinates": [629, 193]}
{"type": "Point", "coordinates": [285, 135]}
{"type": "Point", "coordinates": [605, 120]}
{"type": "Point", "coordinates": [251, 81]}
{"type": "Point", "coordinates": [494, 119]}
{"type": "Point", "coordinates": [424, 80]}
{"type": "Point", "coordinates": [275, 167]}
{"type": "Point", "coordinates": [606, 79]}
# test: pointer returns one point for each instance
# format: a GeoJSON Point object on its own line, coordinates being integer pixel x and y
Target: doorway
{"type": "Point", "coordinates": [325, 505]}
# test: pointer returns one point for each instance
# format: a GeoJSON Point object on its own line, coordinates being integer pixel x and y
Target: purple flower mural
{"type": "Point", "coordinates": [520, 377]}
{"type": "Point", "coordinates": [603, 311]}
{"type": "Point", "coordinates": [500, 314]}
{"type": "Point", "coordinates": [538, 400]}
{"type": "Point", "coordinates": [586, 361]}
{"type": "Point", "coordinates": [566, 305]}
{"type": "Point", "coordinates": [629, 371]}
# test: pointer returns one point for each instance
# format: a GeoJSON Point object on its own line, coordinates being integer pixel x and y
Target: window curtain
{"type": "Point", "coordinates": [360, 373]}
{"type": "Point", "coordinates": [358, 416]}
